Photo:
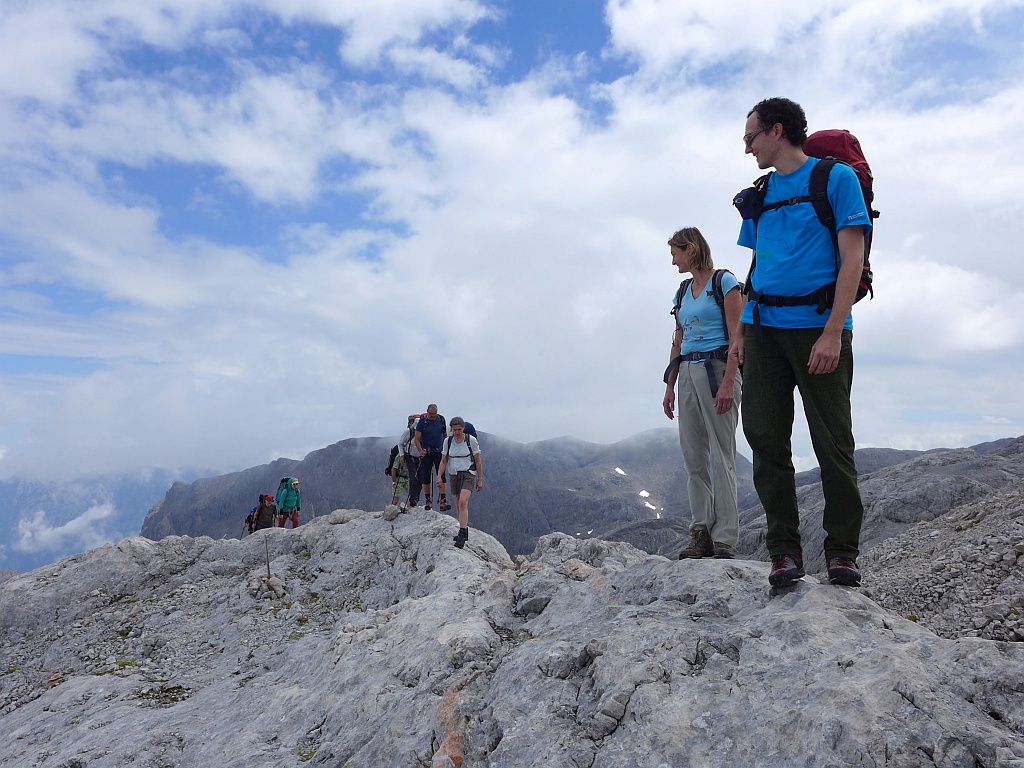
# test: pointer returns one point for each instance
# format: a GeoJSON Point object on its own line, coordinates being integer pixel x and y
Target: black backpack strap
{"type": "Point", "coordinates": [677, 305]}
{"type": "Point", "coordinates": [818, 194]}
{"type": "Point", "coordinates": [719, 294]}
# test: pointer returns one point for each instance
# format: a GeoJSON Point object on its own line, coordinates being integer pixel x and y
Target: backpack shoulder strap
{"type": "Point", "coordinates": [683, 288]}
{"type": "Point", "coordinates": [760, 192]}
{"type": "Point", "coordinates": [719, 294]}
{"type": "Point", "coordinates": [819, 197]}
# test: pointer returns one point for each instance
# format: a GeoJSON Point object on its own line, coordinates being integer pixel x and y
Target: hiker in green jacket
{"type": "Point", "coordinates": [289, 503]}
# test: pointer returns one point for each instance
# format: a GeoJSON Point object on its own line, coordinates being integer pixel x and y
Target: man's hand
{"type": "Point", "coordinates": [825, 353]}
{"type": "Point", "coordinates": [736, 349]}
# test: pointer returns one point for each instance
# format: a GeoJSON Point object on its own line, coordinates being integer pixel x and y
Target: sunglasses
{"type": "Point", "coordinates": [748, 138]}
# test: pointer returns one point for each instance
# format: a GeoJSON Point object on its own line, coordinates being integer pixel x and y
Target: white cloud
{"type": "Point", "coordinates": [36, 534]}
{"type": "Point", "coordinates": [510, 262]}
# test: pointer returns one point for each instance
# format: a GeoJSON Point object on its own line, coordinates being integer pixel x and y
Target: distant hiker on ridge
{"type": "Point", "coordinates": [289, 502]}
{"type": "Point", "coordinates": [399, 478]}
{"type": "Point", "coordinates": [430, 434]}
{"type": "Point", "coordinates": [793, 339]}
{"type": "Point", "coordinates": [264, 514]}
{"type": "Point", "coordinates": [707, 311]}
{"type": "Point", "coordinates": [411, 454]}
{"type": "Point", "coordinates": [466, 471]}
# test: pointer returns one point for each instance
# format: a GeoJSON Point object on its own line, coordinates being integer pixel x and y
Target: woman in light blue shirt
{"type": "Point", "coordinates": [707, 311]}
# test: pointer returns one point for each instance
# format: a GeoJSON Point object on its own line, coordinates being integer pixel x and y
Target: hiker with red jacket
{"type": "Point", "coordinates": [791, 340]}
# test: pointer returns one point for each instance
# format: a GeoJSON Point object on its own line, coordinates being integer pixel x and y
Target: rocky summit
{"type": "Point", "coordinates": [368, 639]}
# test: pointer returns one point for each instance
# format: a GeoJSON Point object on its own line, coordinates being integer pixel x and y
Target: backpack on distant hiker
{"type": "Point", "coordinates": [391, 460]}
{"type": "Point", "coordinates": [287, 498]}
{"type": "Point", "coordinates": [831, 147]}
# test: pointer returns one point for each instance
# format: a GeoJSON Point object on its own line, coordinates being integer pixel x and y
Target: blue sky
{"type": "Point", "coordinates": [236, 231]}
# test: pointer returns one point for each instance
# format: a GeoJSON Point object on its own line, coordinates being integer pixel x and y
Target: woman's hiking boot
{"type": "Point", "coordinates": [700, 545]}
{"type": "Point", "coordinates": [461, 537]}
{"type": "Point", "coordinates": [724, 551]}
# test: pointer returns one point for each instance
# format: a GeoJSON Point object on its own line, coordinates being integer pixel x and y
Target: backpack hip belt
{"type": "Point", "coordinates": [722, 353]}
{"type": "Point", "coordinates": [821, 300]}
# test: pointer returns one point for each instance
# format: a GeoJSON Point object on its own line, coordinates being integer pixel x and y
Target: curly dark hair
{"type": "Point", "coordinates": [788, 113]}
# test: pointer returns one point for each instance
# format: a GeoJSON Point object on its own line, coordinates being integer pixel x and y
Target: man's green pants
{"type": "Point", "coordinates": [772, 368]}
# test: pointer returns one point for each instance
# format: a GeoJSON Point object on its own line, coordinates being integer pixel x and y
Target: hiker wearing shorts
{"type": "Point", "coordinates": [399, 478]}
{"type": "Point", "coordinates": [411, 454]}
{"type": "Point", "coordinates": [460, 457]}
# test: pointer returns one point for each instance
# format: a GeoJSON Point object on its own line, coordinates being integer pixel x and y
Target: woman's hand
{"type": "Point", "coordinates": [669, 403]}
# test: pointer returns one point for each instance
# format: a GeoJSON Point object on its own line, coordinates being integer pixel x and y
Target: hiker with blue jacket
{"type": "Point", "coordinates": [793, 339]}
{"type": "Point", "coordinates": [460, 457]}
{"type": "Point", "coordinates": [431, 431]}
{"type": "Point", "coordinates": [709, 384]}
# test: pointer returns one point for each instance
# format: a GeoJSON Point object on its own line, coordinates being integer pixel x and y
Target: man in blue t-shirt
{"type": "Point", "coordinates": [431, 430]}
{"type": "Point", "coordinates": [795, 346]}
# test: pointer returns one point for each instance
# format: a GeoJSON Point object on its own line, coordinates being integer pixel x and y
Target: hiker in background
{"type": "Point", "coordinates": [792, 341]}
{"type": "Point", "coordinates": [707, 311]}
{"type": "Point", "coordinates": [460, 456]}
{"type": "Point", "coordinates": [411, 454]}
{"type": "Point", "coordinates": [264, 514]}
{"type": "Point", "coordinates": [430, 434]}
{"type": "Point", "coordinates": [399, 479]}
{"type": "Point", "coordinates": [289, 502]}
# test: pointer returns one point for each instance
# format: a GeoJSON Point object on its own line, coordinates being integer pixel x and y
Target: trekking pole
{"type": "Point", "coordinates": [266, 545]}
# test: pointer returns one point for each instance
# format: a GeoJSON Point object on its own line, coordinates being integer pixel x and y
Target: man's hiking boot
{"type": "Point", "coordinates": [724, 551]}
{"type": "Point", "coordinates": [428, 505]}
{"type": "Point", "coordinates": [461, 537]}
{"type": "Point", "coordinates": [445, 506]}
{"type": "Point", "coordinates": [843, 572]}
{"type": "Point", "coordinates": [700, 545]}
{"type": "Point", "coordinates": [785, 570]}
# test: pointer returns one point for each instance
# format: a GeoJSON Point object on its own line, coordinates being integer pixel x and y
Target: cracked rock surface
{"type": "Point", "coordinates": [375, 642]}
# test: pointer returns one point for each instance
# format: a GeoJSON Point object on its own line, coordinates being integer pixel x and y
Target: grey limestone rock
{"type": "Point", "coordinates": [390, 647]}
